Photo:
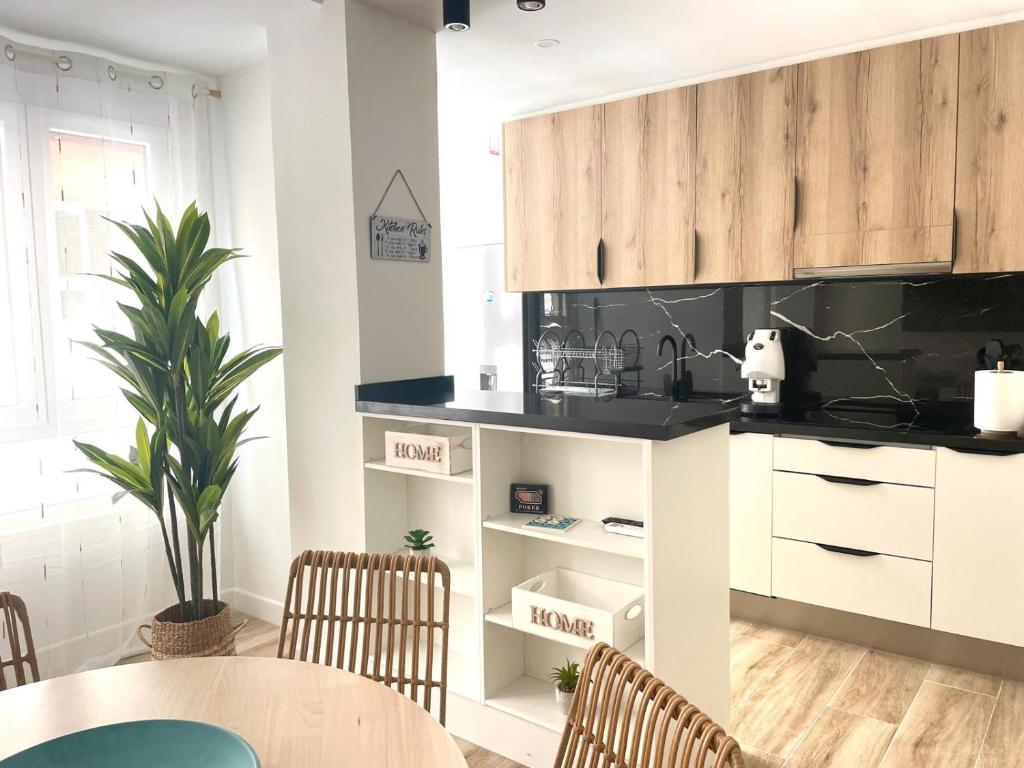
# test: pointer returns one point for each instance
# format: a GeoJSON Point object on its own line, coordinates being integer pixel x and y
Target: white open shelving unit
{"type": "Point", "coordinates": [494, 665]}
{"type": "Point", "coordinates": [589, 478]}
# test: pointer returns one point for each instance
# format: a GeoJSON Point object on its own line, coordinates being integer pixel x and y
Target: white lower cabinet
{"type": "Point", "coordinates": [862, 530]}
{"type": "Point", "coordinates": [894, 588]}
{"type": "Point", "coordinates": [878, 517]}
{"type": "Point", "coordinates": [979, 546]}
{"type": "Point", "coordinates": [750, 513]}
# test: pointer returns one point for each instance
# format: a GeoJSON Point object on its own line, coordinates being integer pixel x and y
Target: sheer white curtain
{"type": "Point", "coordinates": [81, 138]}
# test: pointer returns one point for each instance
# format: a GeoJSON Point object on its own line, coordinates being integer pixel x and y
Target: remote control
{"type": "Point", "coordinates": [623, 521]}
{"type": "Point", "coordinates": [625, 529]}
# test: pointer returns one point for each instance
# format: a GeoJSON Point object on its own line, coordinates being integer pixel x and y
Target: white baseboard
{"type": "Point", "coordinates": [257, 606]}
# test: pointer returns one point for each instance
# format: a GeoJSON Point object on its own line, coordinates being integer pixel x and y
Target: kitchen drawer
{"type": "Point", "coordinates": [893, 588]}
{"type": "Point", "coordinates": [908, 466]}
{"type": "Point", "coordinates": [881, 517]}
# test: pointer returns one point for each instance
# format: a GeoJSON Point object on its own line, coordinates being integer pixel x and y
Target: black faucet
{"type": "Point", "coordinates": [675, 362]}
{"type": "Point", "coordinates": [682, 379]}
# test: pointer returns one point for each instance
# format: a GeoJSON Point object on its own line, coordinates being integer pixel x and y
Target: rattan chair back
{"type": "Point", "coordinates": [384, 617]}
{"type": "Point", "coordinates": [623, 716]}
{"type": "Point", "coordinates": [18, 633]}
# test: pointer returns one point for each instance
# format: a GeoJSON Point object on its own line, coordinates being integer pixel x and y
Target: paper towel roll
{"type": "Point", "coordinates": [999, 401]}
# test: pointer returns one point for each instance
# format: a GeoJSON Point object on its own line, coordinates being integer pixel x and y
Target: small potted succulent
{"type": "Point", "coordinates": [565, 678]}
{"type": "Point", "coordinates": [419, 542]}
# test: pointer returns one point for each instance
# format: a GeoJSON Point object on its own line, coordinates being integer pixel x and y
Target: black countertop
{"type": "Point", "coordinates": [947, 425]}
{"type": "Point", "coordinates": [435, 398]}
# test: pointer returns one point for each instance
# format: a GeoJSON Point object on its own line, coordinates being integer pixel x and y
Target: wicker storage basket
{"type": "Point", "coordinates": [171, 638]}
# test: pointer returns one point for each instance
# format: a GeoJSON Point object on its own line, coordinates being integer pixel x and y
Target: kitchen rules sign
{"type": "Point", "coordinates": [394, 239]}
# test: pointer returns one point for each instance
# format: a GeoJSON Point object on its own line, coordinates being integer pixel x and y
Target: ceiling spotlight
{"type": "Point", "coordinates": [548, 42]}
{"type": "Point", "coordinates": [530, 5]}
{"type": "Point", "coordinates": [456, 15]}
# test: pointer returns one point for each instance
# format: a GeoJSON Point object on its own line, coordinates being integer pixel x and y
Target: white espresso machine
{"type": "Point", "coordinates": [765, 369]}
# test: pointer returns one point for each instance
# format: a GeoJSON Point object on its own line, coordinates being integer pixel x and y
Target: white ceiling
{"type": "Point", "coordinates": [607, 47]}
{"type": "Point", "coordinates": [208, 36]}
{"type": "Point", "coordinates": [617, 46]}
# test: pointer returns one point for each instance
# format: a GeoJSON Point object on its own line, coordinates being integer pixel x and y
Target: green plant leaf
{"type": "Point", "coordinates": [119, 468]}
{"type": "Point", "coordinates": [566, 677]}
{"type": "Point", "coordinates": [213, 329]}
{"type": "Point", "coordinates": [419, 539]}
{"type": "Point", "coordinates": [140, 404]}
{"type": "Point", "coordinates": [238, 369]}
{"type": "Point", "coordinates": [204, 266]}
{"type": "Point", "coordinates": [142, 447]}
{"type": "Point", "coordinates": [209, 504]}
{"type": "Point", "coordinates": [144, 241]}
{"type": "Point", "coordinates": [135, 275]}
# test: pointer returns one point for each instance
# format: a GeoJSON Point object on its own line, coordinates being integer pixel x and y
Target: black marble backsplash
{"type": "Point", "coordinates": [887, 344]}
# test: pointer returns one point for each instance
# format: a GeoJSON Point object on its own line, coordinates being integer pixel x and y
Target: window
{"type": "Point", "coordinates": [90, 177]}
{"type": "Point", "coordinates": [91, 169]}
{"type": "Point", "coordinates": [72, 554]}
{"type": "Point", "coordinates": [79, 144]}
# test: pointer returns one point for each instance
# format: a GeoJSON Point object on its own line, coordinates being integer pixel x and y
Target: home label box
{"type": "Point", "coordinates": [579, 609]}
{"type": "Point", "coordinates": [443, 454]}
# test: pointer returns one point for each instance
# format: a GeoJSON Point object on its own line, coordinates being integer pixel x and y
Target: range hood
{"type": "Point", "coordinates": [875, 270]}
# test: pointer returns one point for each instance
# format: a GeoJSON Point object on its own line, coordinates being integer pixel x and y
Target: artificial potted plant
{"type": "Point", "coordinates": [565, 678]}
{"type": "Point", "coordinates": [419, 542]}
{"type": "Point", "coordinates": [178, 375]}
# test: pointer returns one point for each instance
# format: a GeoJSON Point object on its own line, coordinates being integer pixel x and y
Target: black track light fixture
{"type": "Point", "coordinates": [531, 5]}
{"type": "Point", "coordinates": [456, 15]}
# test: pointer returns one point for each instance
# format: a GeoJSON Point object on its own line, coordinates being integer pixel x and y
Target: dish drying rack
{"type": "Point", "coordinates": [562, 364]}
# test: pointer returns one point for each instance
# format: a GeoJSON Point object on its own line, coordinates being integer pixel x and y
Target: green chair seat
{"type": "Point", "coordinates": [141, 744]}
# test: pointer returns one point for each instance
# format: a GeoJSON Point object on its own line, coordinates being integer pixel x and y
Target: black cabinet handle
{"type": "Point", "coordinates": [796, 198]}
{"type": "Point", "coordinates": [696, 267]}
{"type": "Point", "coordinates": [847, 551]}
{"type": "Point", "coordinates": [600, 261]}
{"type": "Point", "coordinates": [952, 258]}
{"type": "Point", "coordinates": [986, 451]}
{"type": "Point", "coordinates": [835, 444]}
{"type": "Point", "coordinates": [848, 480]}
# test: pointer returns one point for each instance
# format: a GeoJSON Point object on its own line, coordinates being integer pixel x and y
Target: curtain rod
{"type": "Point", "coordinates": [214, 93]}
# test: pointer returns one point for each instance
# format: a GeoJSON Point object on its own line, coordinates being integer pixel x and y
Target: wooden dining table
{"type": "Point", "coordinates": [292, 713]}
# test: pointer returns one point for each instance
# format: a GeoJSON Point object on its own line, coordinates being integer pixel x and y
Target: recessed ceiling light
{"type": "Point", "coordinates": [530, 5]}
{"type": "Point", "coordinates": [549, 42]}
{"type": "Point", "coordinates": [456, 15]}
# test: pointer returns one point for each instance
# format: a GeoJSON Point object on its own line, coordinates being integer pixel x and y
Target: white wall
{"type": "Point", "coordinates": [256, 537]}
{"type": "Point", "coordinates": [392, 91]}
{"type": "Point", "coordinates": [343, 120]}
{"type": "Point", "coordinates": [483, 324]}
{"type": "Point", "coordinates": [308, 69]}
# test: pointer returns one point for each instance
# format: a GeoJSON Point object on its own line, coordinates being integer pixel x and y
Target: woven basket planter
{"type": "Point", "coordinates": [171, 638]}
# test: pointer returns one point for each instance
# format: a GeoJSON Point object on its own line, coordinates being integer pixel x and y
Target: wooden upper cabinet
{"type": "Point", "coordinates": [647, 189]}
{"type": "Point", "coordinates": [990, 151]}
{"type": "Point", "coordinates": [746, 145]}
{"type": "Point", "coordinates": [876, 156]}
{"type": "Point", "coordinates": [553, 200]}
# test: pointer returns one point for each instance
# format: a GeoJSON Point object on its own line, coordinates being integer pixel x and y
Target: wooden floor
{"type": "Point", "coordinates": [806, 702]}
{"type": "Point", "coordinates": [801, 701]}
